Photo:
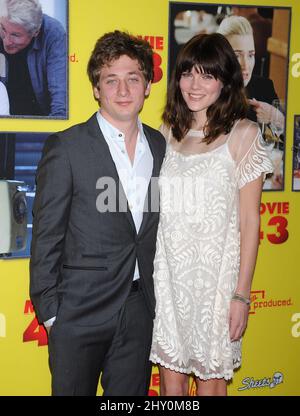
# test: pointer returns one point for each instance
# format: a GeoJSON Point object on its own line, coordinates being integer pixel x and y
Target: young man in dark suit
{"type": "Point", "coordinates": [94, 231]}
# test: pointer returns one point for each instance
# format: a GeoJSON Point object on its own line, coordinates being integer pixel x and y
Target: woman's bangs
{"type": "Point", "coordinates": [202, 64]}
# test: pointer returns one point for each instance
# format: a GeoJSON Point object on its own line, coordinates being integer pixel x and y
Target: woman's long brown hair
{"type": "Point", "coordinates": [210, 54]}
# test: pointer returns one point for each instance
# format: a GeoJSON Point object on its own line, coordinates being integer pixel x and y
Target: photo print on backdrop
{"type": "Point", "coordinates": [34, 59]}
{"type": "Point", "coordinates": [260, 38]}
{"type": "Point", "coordinates": [20, 153]}
{"type": "Point", "coordinates": [296, 154]}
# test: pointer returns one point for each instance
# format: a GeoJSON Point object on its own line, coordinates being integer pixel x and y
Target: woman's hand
{"type": "Point", "coordinates": [266, 113]}
{"type": "Point", "coordinates": [238, 318]}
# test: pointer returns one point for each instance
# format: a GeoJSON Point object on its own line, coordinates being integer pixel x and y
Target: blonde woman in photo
{"type": "Point", "coordinates": [260, 91]}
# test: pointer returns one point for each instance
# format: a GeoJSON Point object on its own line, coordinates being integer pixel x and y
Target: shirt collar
{"type": "Point", "coordinates": [37, 41]}
{"type": "Point", "coordinates": [112, 132]}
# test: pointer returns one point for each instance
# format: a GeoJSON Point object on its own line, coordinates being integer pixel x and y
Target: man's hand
{"type": "Point", "coordinates": [48, 324]}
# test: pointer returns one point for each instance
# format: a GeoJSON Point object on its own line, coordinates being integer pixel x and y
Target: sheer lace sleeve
{"type": "Point", "coordinates": [251, 157]}
{"type": "Point", "coordinates": [166, 132]}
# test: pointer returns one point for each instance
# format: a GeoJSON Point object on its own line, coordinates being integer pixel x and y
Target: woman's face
{"type": "Point", "coordinates": [243, 46]}
{"type": "Point", "coordinates": [199, 90]}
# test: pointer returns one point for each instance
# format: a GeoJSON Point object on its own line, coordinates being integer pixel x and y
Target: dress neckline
{"type": "Point", "coordinates": [192, 155]}
{"type": "Point", "coordinates": [196, 133]}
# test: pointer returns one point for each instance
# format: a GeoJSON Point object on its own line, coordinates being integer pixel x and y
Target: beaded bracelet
{"type": "Point", "coordinates": [241, 298]}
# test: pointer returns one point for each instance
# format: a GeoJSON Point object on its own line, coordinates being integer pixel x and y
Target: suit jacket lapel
{"type": "Point", "coordinates": [155, 173]}
{"type": "Point", "coordinates": [101, 148]}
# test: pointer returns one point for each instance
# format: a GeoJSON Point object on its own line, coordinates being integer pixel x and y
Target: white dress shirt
{"type": "Point", "coordinates": [135, 177]}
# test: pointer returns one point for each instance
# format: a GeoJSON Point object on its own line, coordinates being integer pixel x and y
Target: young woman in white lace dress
{"type": "Point", "coordinates": [208, 236]}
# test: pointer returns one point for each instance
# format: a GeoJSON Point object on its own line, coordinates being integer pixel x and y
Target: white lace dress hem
{"type": "Point", "coordinates": [227, 375]}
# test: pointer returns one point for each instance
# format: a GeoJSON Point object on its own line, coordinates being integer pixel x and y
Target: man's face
{"type": "Point", "coordinates": [14, 36]}
{"type": "Point", "coordinates": [121, 90]}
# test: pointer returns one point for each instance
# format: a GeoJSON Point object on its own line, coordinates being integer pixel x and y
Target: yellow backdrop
{"type": "Point", "coordinates": [271, 364]}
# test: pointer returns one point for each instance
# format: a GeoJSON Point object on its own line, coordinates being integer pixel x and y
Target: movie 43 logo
{"type": "Point", "coordinates": [157, 44]}
{"type": "Point", "coordinates": [34, 331]}
{"type": "Point", "coordinates": [276, 228]}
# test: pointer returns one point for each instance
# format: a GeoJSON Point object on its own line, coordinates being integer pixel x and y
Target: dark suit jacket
{"type": "Point", "coordinates": [82, 261]}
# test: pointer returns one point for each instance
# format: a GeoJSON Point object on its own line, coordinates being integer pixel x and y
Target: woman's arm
{"type": "Point", "coordinates": [250, 196]}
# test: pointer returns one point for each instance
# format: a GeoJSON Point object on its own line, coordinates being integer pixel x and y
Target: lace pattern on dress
{"type": "Point", "coordinates": [254, 163]}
